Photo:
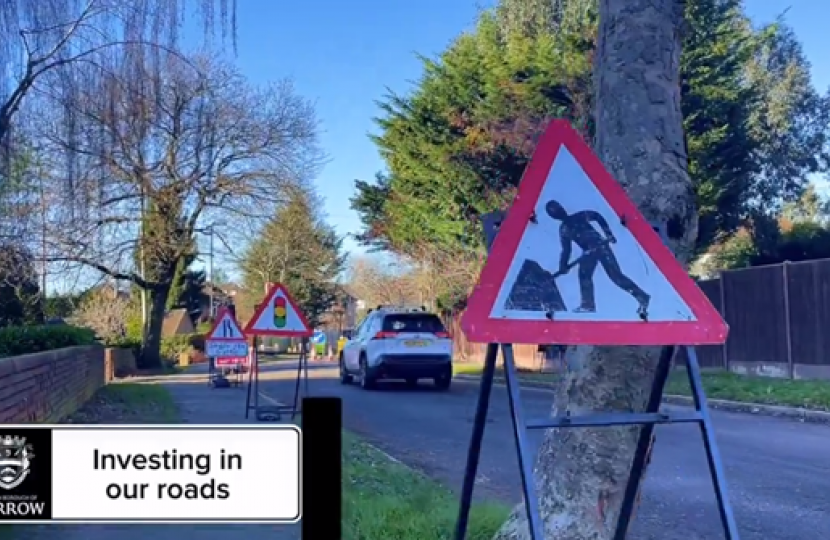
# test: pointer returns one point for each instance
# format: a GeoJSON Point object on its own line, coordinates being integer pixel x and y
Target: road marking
{"type": "Point", "coordinates": [273, 401]}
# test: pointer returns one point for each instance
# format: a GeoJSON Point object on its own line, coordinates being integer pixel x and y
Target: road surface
{"type": "Point", "coordinates": [778, 471]}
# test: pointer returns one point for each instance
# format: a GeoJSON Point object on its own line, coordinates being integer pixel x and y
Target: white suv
{"type": "Point", "coordinates": [398, 343]}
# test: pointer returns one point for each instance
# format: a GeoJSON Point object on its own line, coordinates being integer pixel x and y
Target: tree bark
{"type": "Point", "coordinates": [151, 341]}
{"type": "Point", "coordinates": [581, 473]}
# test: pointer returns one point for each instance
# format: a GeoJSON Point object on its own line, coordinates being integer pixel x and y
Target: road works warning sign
{"type": "Point", "coordinates": [575, 262]}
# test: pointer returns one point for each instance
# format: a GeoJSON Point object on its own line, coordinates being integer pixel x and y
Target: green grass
{"type": "Point", "coordinates": [809, 394]}
{"type": "Point", "coordinates": [385, 500]}
{"type": "Point", "coordinates": [124, 402]}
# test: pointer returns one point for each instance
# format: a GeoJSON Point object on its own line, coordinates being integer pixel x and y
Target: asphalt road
{"type": "Point", "coordinates": [778, 471]}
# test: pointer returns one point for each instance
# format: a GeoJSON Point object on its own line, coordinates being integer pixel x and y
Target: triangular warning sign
{"type": "Point", "coordinates": [575, 262]}
{"type": "Point", "coordinates": [225, 328]}
{"type": "Point", "coordinates": [278, 315]}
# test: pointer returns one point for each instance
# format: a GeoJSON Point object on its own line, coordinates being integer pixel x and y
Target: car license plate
{"type": "Point", "coordinates": [415, 343]}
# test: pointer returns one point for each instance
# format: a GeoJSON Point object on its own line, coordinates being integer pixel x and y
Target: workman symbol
{"type": "Point", "coordinates": [596, 249]}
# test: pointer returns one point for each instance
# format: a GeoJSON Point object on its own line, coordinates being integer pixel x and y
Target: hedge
{"type": "Point", "coordinates": [17, 340]}
{"type": "Point", "coordinates": [171, 346]}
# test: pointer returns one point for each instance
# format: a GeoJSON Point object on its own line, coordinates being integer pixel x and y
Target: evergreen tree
{"type": "Point", "coordinates": [716, 104]}
{"type": "Point", "coordinates": [20, 299]}
{"type": "Point", "coordinates": [457, 145]}
{"type": "Point", "coordinates": [298, 249]}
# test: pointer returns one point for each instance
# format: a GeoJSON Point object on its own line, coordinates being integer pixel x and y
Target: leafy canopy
{"type": "Point", "coordinates": [455, 146]}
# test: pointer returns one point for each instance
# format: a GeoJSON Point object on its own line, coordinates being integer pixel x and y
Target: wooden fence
{"type": "Point", "coordinates": [778, 316]}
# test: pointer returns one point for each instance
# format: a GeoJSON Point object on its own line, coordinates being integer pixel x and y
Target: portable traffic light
{"type": "Point", "coordinates": [280, 312]}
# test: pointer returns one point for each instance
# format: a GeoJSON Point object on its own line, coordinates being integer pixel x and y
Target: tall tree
{"type": "Point", "coordinates": [300, 250]}
{"type": "Point", "coordinates": [717, 103]}
{"type": "Point", "coordinates": [173, 150]}
{"type": "Point", "coordinates": [639, 137]}
{"type": "Point", "coordinates": [789, 119]}
{"type": "Point", "coordinates": [472, 119]}
{"type": "Point", "coordinates": [40, 38]}
{"type": "Point", "coordinates": [755, 126]}
{"type": "Point", "coordinates": [811, 206]}
{"type": "Point", "coordinates": [20, 299]}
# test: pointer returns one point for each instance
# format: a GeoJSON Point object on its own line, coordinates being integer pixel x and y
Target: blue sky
{"type": "Point", "coordinates": [343, 55]}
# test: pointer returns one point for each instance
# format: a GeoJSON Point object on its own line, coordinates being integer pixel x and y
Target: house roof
{"type": "Point", "coordinates": [111, 291]}
{"type": "Point", "coordinates": [177, 322]}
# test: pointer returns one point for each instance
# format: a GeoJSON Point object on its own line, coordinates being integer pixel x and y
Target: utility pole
{"type": "Point", "coordinates": [210, 269]}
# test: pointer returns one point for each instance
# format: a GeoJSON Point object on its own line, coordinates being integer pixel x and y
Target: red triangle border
{"type": "Point", "coordinates": [268, 300]}
{"type": "Point", "coordinates": [219, 316]}
{"type": "Point", "coordinates": [478, 326]}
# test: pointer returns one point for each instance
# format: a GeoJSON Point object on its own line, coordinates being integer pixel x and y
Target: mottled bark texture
{"type": "Point", "coordinates": [581, 473]}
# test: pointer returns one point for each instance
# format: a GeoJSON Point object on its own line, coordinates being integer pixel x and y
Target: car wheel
{"type": "Point", "coordinates": [345, 378]}
{"type": "Point", "coordinates": [366, 380]}
{"type": "Point", "coordinates": [443, 382]}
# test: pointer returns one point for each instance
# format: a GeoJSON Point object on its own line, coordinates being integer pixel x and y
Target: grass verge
{"type": "Point", "coordinates": [383, 499]}
{"type": "Point", "coordinates": [127, 403]}
{"type": "Point", "coordinates": [809, 394]}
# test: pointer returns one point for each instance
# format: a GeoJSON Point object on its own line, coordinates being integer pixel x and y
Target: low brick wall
{"type": "Point", "coordinates": [119, 362]}
{"type": "Point", "coordinates": [47, 386]}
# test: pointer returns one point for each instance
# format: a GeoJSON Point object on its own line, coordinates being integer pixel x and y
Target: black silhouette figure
{"type": "Point", "coordinates": [576, 229]}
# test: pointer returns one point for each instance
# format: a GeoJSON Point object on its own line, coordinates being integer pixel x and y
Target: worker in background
{"type": "Point", "coordinates": [340, 344]}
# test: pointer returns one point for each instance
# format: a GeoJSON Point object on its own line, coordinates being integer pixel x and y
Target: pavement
{"type": "Point", "coordinates": [777, 469]}
{"type": "Point", "coordinates": [198, 405]}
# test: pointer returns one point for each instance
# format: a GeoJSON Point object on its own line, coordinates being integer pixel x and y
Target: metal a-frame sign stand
{"type": "Point", "coordinates": [277, 316]}
{"type": "Point", "coordinates": [225, 340]}
{"type": "Point", "coordinates": [482, 322]}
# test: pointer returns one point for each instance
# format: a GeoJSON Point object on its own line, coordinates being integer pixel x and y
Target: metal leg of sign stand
{"type": "Point", "coordinates": [274, 413]}
{"type": "Point", "coordinates": [252, 381]}
{"type": "Point", "coordinates": [238, 375]}
{"type": "Point", "coordinates": [302, 373]}
{"type": "Point", "coordinates": [648, 419]}
{"type": "Point", "coordinates": [217, 377]}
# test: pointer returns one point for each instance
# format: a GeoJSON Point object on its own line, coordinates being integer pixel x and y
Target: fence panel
{"type": "Point", "coordinates": [809, 298]}
{"type": "Point", "coordinates": [711, 356]}
{"type": "Point", "coordinates": [755, 310]}
{"type": "Point", "coordinates": [778, 316]}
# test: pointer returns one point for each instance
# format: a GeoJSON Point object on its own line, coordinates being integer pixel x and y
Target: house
{"type": "Point", "coordinates": [110, 290]}
{"type": "Point", "coordinates": [216, 295]}
{"type": "Point", "coordinates": [343, 313]}
{"type": "Point", "coordinates": [177, 322]}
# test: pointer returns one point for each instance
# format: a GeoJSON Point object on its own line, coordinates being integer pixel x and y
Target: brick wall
{"type": "Point", "coordinates": [47, 386]}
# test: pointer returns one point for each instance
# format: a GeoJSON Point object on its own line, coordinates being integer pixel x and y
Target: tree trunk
{"type": "Point", "coordinates": [151, 342]}
{"type": "Point", "coordinates": [581, 473]}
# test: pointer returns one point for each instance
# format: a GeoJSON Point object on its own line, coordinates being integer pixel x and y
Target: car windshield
{"type": "Point", "coordinates": [412, 322]}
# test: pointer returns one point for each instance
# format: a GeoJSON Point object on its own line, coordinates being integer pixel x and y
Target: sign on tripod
{"type": "Point", "coordinates": [574, 262]}
{"type": "Point", "coordinates": [226, 340]}
{"type": "Point", "coordinates": [277, 315]}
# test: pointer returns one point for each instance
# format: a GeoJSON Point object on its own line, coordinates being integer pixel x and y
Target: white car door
{"type": "Point", "coordinates": [352, 348]}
